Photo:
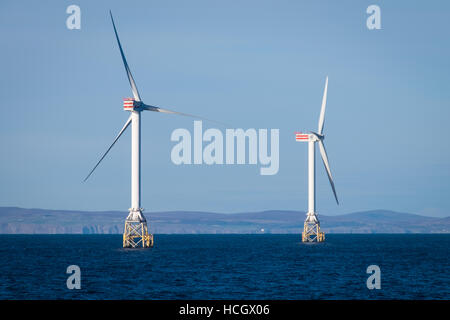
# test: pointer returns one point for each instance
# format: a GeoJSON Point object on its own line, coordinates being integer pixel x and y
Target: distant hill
{"type": "Point", "coordinates": [15, 220]}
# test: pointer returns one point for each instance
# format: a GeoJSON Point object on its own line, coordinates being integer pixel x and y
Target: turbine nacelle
{"type": "Point", "coordinates": [129, 104]}
{"type": "Point", "coordinates": [311, 136]}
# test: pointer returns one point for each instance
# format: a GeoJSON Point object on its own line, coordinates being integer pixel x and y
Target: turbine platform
{"type": "Point", "coordinates": [135, 233]}
{"type": "Point", "coordinates": [311, 230]}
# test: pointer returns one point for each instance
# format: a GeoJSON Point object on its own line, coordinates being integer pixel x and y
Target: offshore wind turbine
{"type": "Point", "coordinates": [311, 228]}
{"type": "Point", "coordinates": [135, 232]}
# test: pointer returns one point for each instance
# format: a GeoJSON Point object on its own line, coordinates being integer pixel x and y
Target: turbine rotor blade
{"type": "Point", "coordinates": [157, 109]}
{"type": "Point", "coordinates": [127, 69]}
{"type": "Point", "coordinates": [322, 110]}
{"type": "Point", "coordinates": [115, 140]}
{"type": "Point", "coordinates": [323, 153]}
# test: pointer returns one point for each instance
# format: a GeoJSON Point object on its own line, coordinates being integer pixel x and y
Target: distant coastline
{"type": "Point", "coordinates": [14, 220]}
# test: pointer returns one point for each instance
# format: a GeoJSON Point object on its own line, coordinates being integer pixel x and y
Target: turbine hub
{"type": "Point", "coordinates": [316, 137]}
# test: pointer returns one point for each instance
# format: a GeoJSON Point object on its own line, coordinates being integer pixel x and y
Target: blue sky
{"type": "Point", "coordinates": [252, 64]}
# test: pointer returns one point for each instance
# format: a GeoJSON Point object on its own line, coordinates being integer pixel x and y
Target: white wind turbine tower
{"type": "Point", "coordinates": [311, 230]}
{"type": "Point", "coordinates": [135, 232]}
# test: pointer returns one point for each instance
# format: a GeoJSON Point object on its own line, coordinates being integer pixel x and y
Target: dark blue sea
{"type": "Point", "coordinates": [225, 267]}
